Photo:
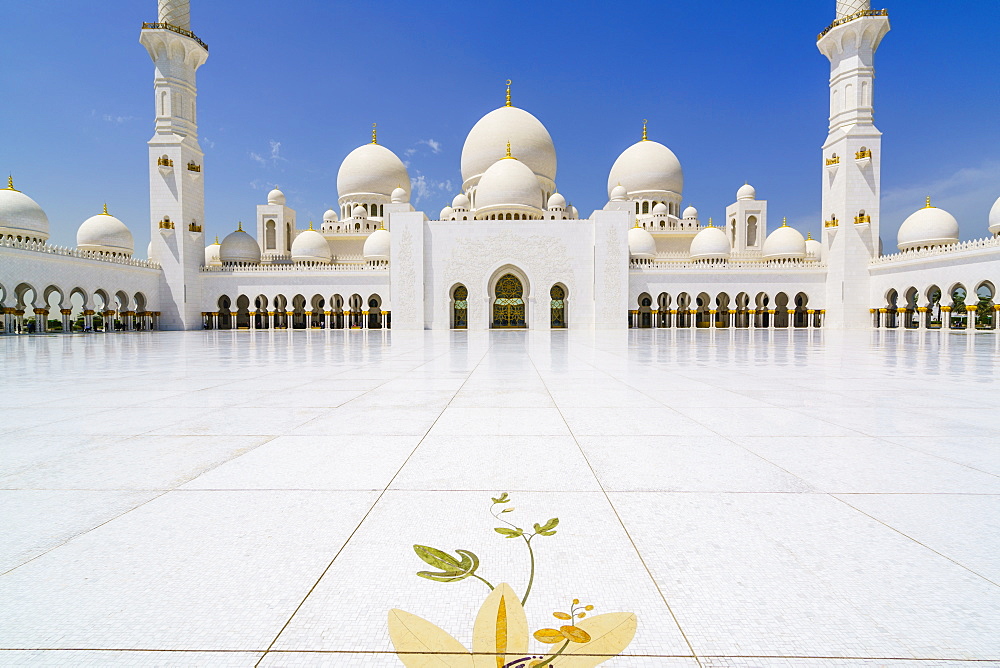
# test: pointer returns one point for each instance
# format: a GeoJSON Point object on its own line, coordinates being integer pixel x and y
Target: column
{"type": "Point", "coordinates": [289, 323]}
{"type": "Point", "coordinates": [41, 320]}
{"type": "Point", "coordinates": [712, 323]}
{"type": "Point", "coordinates": [270, 319]}
{"type": "Point", "coordinates": [922, 317]}
{"type": "Point", "coordinates": [327, 320]}
{"type": "Point", "coordinates": [770, 318]}
{"type": "Point", "coordinates": [693, 317]}
{"type": "Point", "coordinates": [791, 319]}
{"type": "Point", "coordinates": [945, 317]}
{"type": "Point", "coordinates": [972, 319]}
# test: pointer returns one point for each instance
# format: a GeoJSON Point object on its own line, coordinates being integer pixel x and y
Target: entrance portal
{"type": "Point", "coordinates": [508, 307]}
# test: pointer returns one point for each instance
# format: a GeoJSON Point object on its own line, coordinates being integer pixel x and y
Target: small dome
{"type": "Point", "coordinates": [330, 216]}
{"type": "Point", "coordinates": [572, 213]}
{"type": "Point", "coordinates": [399, 196]}
{"type": "Point", "coordinates": [310, 246]}
{"type": "Point", "coordinates": [690, 213]}
{"type": "Point", "coordinates": [21, 216]}
{"type": "Point", "coordinates": [104, 233]}
{"type": "Point", "coordinates": [529, 139]}
{"type": "Point", "coordinates": [710, 243]}
{"type": "Point", "coordinates": [372, 169]}
{"type": "Point", "coordinates": [641, 244]}
{"type": "Point", "coordinates": [746, 191]}
{"type": "Point", "coordinates": [785, 243]}
{"type": "Point", "coordinates": [461, 202]}
{"type": "Point", "coordinates": [212, 258]}
{"type": "Point", "coordinates": [815, 248]}
{"type": "Point", "coordinates": [929, 226]}
{"type": "Point", "coordinates": [276, 197]}
{"type": "Point", "coordinates": [509, 182]}
{"type": "Point", "coordinates": [446, 213]}
{"type": "Point", "coordinates": [377, 245]}
{"type": "Point", "coordinates": [239, 248]}
{"type": "Point", "coordinates": [359, 212]}
{"type": "Point", "coordinates": [556, 202]}
{"type": "Point", "coordinates": [618, 193]}
{"type": "Point", "coordinates": [660, 209]}
{"type": "Point", "coordinates": [995, 217]}
{"type": "Point", "coordinates": [647, 166]}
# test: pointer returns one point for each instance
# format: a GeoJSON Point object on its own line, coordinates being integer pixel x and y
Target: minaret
{"type": "Point", "coordinates": [851, 161]}
{"type": "Point", "coordinates": [176, 188]}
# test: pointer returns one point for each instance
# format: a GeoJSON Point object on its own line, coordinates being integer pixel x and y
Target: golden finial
{"type": "Point", "coordinates": [784, 222]}
{"type": "Point", "coordinates": [106, 209]}
{"type": "Point", "coordinates": [710, 223]}
{"type": "Point", "coordinates": [239, 228]}
{"type": "Point", "coordinates": [216, 239]}
{"type": "Point", "coordinates": [381, 225]}
{"type": "Point", "coordinates": [310, 224]}
{"type": "Point", "coordinates": [508, 94]}
{"type": "Point", "coordinates": [644, 122]}
{"type": "Point", "coordinates": [928, 202]}
{"type": "Point", "coordinates": [809, 236]}
{"type": "Point", "coordinates": [374, 135]}
{"type": "Point", "coordinates": [10, 182]}
{"type": "Point", "coordinates": [637, 222]}
{"type": "Point", "coordinates": [508, 151]}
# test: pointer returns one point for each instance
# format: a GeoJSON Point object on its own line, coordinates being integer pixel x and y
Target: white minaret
{"type": "Point", "coordinates": [176, 188]}
{"type": "Point", "coordinates": [851, 163]}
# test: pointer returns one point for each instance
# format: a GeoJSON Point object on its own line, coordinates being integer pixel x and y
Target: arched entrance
{"type": "Point", "coordinates": [557, 307]}
{"type": "Point", "coordinates": [508, 303]}
{"type": "Point", "coordinates": [460, 307]}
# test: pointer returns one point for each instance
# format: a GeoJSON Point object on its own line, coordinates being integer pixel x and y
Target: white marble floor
{"type": "Point", "coordinates": [794, 499]}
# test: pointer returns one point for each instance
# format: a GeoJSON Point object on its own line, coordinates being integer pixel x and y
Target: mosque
{"type": "Point", "coordinates": [510, 251]}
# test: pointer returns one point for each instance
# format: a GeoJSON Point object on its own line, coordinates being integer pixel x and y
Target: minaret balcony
{"type": "Point", "coordinates": [177, 29]}
{"type": "Point", "coordinates": [847, 19]}
{"type": "Point", "coordinates": [863, 158]}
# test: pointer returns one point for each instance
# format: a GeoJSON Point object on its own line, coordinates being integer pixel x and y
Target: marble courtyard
{"type": "Point", "coordinates": [787, 498]}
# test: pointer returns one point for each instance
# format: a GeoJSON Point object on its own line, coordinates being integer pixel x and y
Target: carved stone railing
{"type": "Point", "coordinates": [988, 243]}
{"type": "Point", "coordinates": [75, 252]}
{"type": "Point", "coordinates": [172, 28]}
{"type": "Point", "coordinates": [847, 19]}
{"type": "Point", "coordinates": [656, 266]}
{"type": "Point", "coordinates": [378, 266]}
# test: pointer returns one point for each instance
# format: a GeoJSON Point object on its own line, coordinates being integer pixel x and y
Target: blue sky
{"type": "Point", "coordinates": [736, 89]}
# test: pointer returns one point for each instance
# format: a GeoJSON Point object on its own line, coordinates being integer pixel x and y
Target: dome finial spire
{"type": "Point", "coordinates": [644, 122]}
{"type": "Point", "coordinates": [10, 182]}
{"type": "Point", "coordinates": [106, 209]}
{"type": "Point", "coordinates": [710, 223]}
{"type": "Point", "coordinates": [928, 202]}
{"type": "Point", "coordinates": [784, 222]}
{"type": "Point", "coordinates": [310, 224]}
{"type": "Point", "coordinates": [508, 152]}
{"type": "Point", "coordinates": [508, 94]}
{"type": "Point", "coordinates": [239, 226]}
{"type": "Point", "coordinates": [374, 133]}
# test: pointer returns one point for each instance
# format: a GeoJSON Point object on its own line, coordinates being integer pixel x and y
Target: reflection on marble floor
{"type": "Point", "coordinates": [766, 498]}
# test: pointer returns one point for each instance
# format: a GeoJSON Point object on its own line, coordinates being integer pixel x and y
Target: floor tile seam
{"type": "Point", "coordinates": [914, 540]}
{"type": "Point", "coordinates": [84, 532]}
{"type": "Point", "coordinates": [939, 456]}
{"type": "Point", "coordinates": [366, 515]}
{"type": "Point", "coordinates": [621, 523]}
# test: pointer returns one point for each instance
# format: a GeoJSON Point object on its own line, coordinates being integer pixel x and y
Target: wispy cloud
{"type": "Point", "coordinates": [434, 146]}
{"type": "Point", "coordinates": [426, 188]}
{"type": "Point", "coordinates": [114, 119]}
{"type": "Point", "coordinates": [271, 158]}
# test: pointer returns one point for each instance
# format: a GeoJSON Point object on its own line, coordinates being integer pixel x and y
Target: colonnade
{"type": "Point", "coordinates": [131, 321]}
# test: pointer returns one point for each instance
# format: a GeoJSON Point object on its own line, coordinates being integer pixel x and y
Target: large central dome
{"type": "Point", "coordinates": [529, 140]}
{"type": "Point", "coordinates": [647, 166]}
{"type": "Point", "coordinates": [372, 169]}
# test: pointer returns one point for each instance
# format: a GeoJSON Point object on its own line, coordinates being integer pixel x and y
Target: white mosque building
{"type": "Point", "coordinates": [510, 251]}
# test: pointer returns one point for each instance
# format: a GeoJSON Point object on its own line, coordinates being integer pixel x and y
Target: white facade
{"type": "Point", "coordinates": [511, 250]}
